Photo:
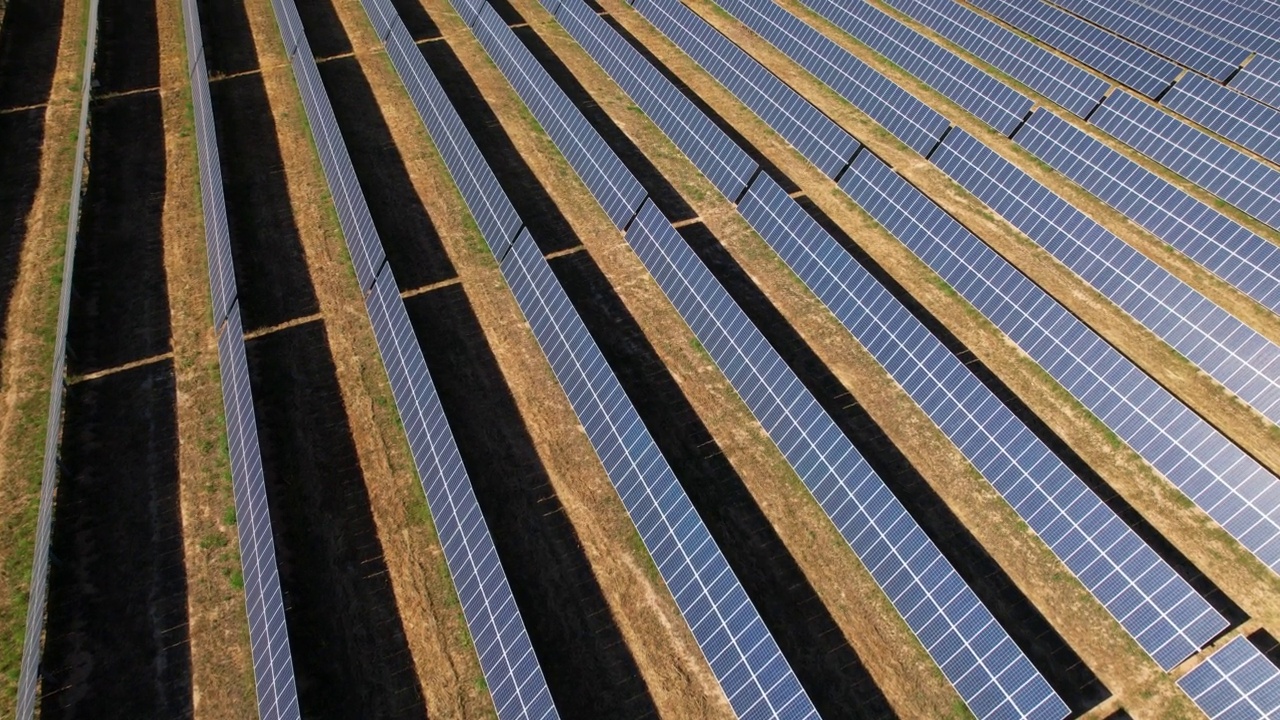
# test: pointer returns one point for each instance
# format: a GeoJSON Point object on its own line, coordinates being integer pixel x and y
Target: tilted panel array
{"type": "Point", "coordinates": [1110, 55]}
{"type": "Point", "coordinates": [1220, 244]}
{"type": "Point", "coordinates": [1237, 492]}
{"type": "Point", "coordinates": [909, 119]}
{"type": "Point", "coordinates": [268, 633]}
{"type": "Point", "coordinates": [1068, 85]}
{"type": "Point", "coordinates": [746, 660]}
{"type": "Point", "coordinates": [743, 655]}
{"type": "Point", "coordinates": [1247, 27]}
{"type": "Point", "coordinates": [274, 682]}
{"type": "Point", "coordinates": [1153, 604]}
{"type": "Point", "coordinates": [1224, 171]}
{"type": "Point", "coordinates": [1228, 113]}
{"type": "Point", "coordinates": [968, 86]}
{"type": "Point", "coordinates": [1217, 342]}
{"type": "Point", "coordinates": [1235, 683]}
{"type": "Point", "coordinates": [1260, 79]}
{"type": "Point", "coordinates": [602, 171]}
{"type": "Point", "coordinates": [514, 678]}
{"type": "Point", "coordinates": [1171, 38]}
{"type": "Point", "coordinates": [988, 670]}
{"type": "Point", "coordinates": [723, 162]}
{"type": "Point", "coordinates": [819, 139]}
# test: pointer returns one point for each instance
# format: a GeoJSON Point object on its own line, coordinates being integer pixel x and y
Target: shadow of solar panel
{"type": "Point", "coordinates": [909, 119]}
{"type": "Point", "coordinates": [1226, 349]}
{"type": "Point", "coordinates": [1228, 113]}
{"type": "Point", "coordinates": [605, 176]}
{"type": "Point", "coordinates": [1260, 79]}
{"type": "Point", "coordinates": [1057, 79]}
{"type": "Point", "coordinates": [1223, 246]}
{"type": "Point", "coordinates": [1110, 55]}
{"type": "Point", "coordinates": [1237, 682]}
{"type": "Point", "coordinates": [1245, 26]}
{"type": "Point", "coordinates": [743, 655]}
{"type": "Point", "coordinates": [717, 156]}
{"type": "Point", "coordinates": [1221, 479]}
{"type": "Point", "coordinates": [989, 99]}
{"type": "Point", "coordinates": [1152, 603]}
{"type": "Point", "coordinates": [974, 652]}
{"type": "Point", "coordinates": [515, 679]}
{"type": "Point", "coordinates": [1187, 45]}
{"type": "Point", "coordinates": [815, 135]}
{"type": "Point", "coordinates": [264, 605]}
{"type": "Point", "coordinates": [1224, 171]}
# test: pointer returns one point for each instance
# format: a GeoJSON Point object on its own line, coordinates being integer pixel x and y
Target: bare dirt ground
{"type": "Point", "coordinates": [31, 303]}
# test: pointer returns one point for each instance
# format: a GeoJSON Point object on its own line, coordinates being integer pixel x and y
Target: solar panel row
{"type": "Point", "coordinates": [1219, 344]}
{"type": "Point", "coordinates": [973, 89]}
{"type": "Point", "coordinates": [1110, 55]}
{"type": "Point", "coordinates": [791, 116]}
{"type": "Point", "coordinates": [1025, 471]}
{"type": "Point", "coordinates": [738, 646]}
{"type": "Point", "coordinates": [1228, 113]}
{"type": "Point", "coordinates": [1171, 38]}
{"type": "Point", "coordinates": [909, 119]}
{"type": "Point", "coordinates": [1260, 79]}
{"type": "Point", "coordinates": [511, 669]}
{"type": "Point", "coordinates": [1235, 683]}
{"type": "Point", "coordinates": [1059, 80]}
{"type": "Point", "coordinates": [1224, 171]}
{"type": "Point", "coordinates": [1220, 244]}
{"type": "Point", "coordinates": [274, 682]}
{"type": "Point", "coordinates": [1156, 606]}
{"type": "Point", "coordinates": [1244, 26]}
{"type": "Point", "coordinates": [1226, 483]}
{"type": "Point", "coordinates": [987, 669]}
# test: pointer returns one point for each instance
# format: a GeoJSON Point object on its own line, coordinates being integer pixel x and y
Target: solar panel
{"type": "Point", "coordinates": [1221, 479]}
{"type": "Point", "coordinates": [1110, 55]}
{"type": "Point", "coordinates": [909, 119]}
{"type": "Point", "coordinates": [743, 655]}
{"type": "Point", "coordinates": [819, 139]}
{"type": "Point", "coordinates": [989, 99]}
{"type": "Point", "coordinates": [602, 171]}
{"type": "Point", "coordinates": [976, 655]}
{"type": "Point", "coordinates": [1260, 79]}
{"type": "Point", "coordinates": [1176, 40]}
{"type": "Point", "coordinates": [1057, 79]}
{"type": "Point", "coordinates": [1243, 26]}
{"type": "Point", "coordinates": [1219, 344]}
{"type": "Point", "coordinates": [1228, 113]}
{"type": "Point", "coordinates": [1235, 683]}
{"type": "Point", "coordinates": [723, 162]}
{"type": "Point", "coordinates": [1220, 244]}
{"type": "Point", "coordinates": [511, 669]}
{"type": "Point", "coordinates": [1153, 604]}
{"type": "Point", "coordinates": [274, 682]}
{"type": "Point", "coordinates": [264, 604]}
{"type": "Point", "coordinates": [1224, 171]}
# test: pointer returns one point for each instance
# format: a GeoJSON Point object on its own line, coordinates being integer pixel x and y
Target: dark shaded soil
{"type": "Point", "coordinates": [324, 30]}
{"type": "Point", "coordinates": [28, 53]}
{"type": "Point", "coordinates": [1074, 682]}
{"type": "Point", "coordinates": [119, 302]}
{"type": "Point", "coordinates": [824, 662]}
{"type": "Point", "coordinates": [128, 47]}
{"type": "Point", "coordinates": [416, 21]}
{"type": "Point", "coordinates": [408, 236]}
{"type": "Point", "coordinates": [272, 277]}
{"type": "Point", "coordinates": [349, 649]}
{"type": "Point", "coordinates": [117, 642]}
{"type": "Point", "coordinates": [228, 39]}
{"type": "Point", "coordinates": [21, 136]}
{"type": "Point", "coordinates": [570, 624]}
